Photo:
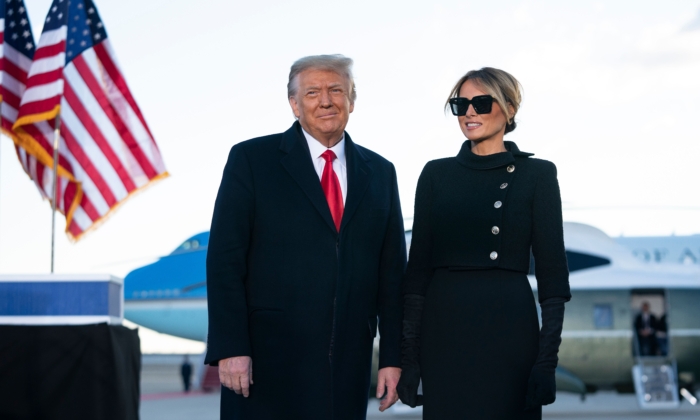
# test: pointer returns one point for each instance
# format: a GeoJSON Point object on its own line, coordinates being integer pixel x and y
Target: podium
{"type": "Point", "coordinates": [63, 351]}
{"type": "Point", "coordinates": [60, 299]}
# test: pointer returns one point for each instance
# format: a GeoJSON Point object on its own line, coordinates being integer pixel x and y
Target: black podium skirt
{"type": "Point", "coordinates": [480, 338]}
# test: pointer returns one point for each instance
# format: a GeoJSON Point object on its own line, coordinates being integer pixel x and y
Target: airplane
{"type": "Point", "coordinates": [610, 279]}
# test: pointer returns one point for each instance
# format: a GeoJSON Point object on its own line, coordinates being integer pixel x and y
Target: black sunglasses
{"type": "Point", "coordinates": [482, 105]}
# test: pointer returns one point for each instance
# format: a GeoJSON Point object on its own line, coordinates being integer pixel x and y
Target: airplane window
{"type": "Point", "coordinates": [603, 315]}
{"type": "Point", "coordinates": [195, 244]}
{"type": "Point", "coordinates": [577, 261]}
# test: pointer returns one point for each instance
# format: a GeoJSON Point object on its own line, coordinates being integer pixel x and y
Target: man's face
{"type": "Point", "coordinates": [322, 104]}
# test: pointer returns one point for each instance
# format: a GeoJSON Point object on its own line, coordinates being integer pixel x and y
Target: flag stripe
{"type": "Point", "coordinates": [43, 134]}
{"type": "Point", "coordinates": [13, 70]}
{"type": "Point", "coordinates": [90, 209]}
{"type": "Point", "coordinates": [74, 229]}
{"type": "Point", "coordinates": [39, 107]}
{"type": "Point", "coordinates": [45, 65]}
{"type": "Point", "coordinates": [116, 121]}
{"type": "Point", "coordinates": [9, 99]}
{"type": "Point", "coordinates": [104, 53]}
{"type": "Point", "coordinates": [130, 118]}
{"type": "Point", "coordinates": [88, 160]}
{"type": "Point", "coordinates": [35, 82]}
{"type": "Point", "coordinates": [89, 148]}
{"type": "Point", "coordinates": [52, 37]}
{"type": "Point", "coordinates": [94, 132]}
{"type": "Point", "coordinates": [16, 57]}
{"type": "Point", "coordinates": [48, 91]}
{"type": "Point", "coordinates": [12, 84]}
{"type": "Point", "coordinates": [9, 115]}
{"type": "Point", "coordinates": [51, 51]}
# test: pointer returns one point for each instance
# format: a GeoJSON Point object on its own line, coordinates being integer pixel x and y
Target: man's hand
{"type": "Point", "coordinates": [236, 373]}
{"type": "Point", "coordinates": [386, 386]}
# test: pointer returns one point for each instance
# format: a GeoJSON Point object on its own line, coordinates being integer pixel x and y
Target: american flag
{"type": "Point", "coordinates": [106, 150]}
{"type": "Point", "coordinates": [16, 56]}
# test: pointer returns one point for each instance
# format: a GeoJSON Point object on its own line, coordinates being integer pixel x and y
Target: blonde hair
{"type": "Point", "coordinates": [504, 88]}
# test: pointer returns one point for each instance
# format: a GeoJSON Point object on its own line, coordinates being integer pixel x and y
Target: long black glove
{"type": "Point", "coordinates": [542, 387]}
{"type": "Point", "coordinates": [410, 351]}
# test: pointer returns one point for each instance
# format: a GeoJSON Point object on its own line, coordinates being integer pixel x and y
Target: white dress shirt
{"type": "Point", "coordinates": [339, 164]}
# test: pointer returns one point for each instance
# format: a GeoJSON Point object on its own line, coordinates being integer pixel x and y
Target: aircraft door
{"type": "Point", "coordinates": [655, 371]}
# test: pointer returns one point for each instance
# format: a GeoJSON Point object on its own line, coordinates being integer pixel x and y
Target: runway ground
{"type": "Point", "coordinates": [602, 406]}
{"type": "Point", "coordinates": [162, 399]}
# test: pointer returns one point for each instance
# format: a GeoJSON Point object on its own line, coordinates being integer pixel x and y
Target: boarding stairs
{"type": "Point", "coordinates": [655, 380]}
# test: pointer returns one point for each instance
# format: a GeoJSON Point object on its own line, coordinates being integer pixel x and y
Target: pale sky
{"type": "Point", "coordinates": [610, 92]}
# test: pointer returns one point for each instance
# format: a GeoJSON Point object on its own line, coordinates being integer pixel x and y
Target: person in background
{"type": "Point", "coordinates": [471, 330]}
{"type": "Point", "coordinates": [645, 326]}
{"type": "Point", "coordinates": [662, 336]}
{"type": "Point", "coordinates": [186, 373]}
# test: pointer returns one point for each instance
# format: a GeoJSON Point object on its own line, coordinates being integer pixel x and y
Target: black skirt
{"type": "Point", "coordinates": [479, 341]}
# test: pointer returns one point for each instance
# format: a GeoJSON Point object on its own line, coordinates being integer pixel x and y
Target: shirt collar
{"type": "Point", "coordinates": [317, 149]}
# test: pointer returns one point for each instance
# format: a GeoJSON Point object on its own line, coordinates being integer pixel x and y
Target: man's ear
{"type": "Point", "coordinates": [295, 106]}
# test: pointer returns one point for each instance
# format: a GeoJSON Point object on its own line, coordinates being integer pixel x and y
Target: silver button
{"type": "Point", "coordinates": [510, 168]}
{"type": "Point", "coordinates": [494, 255]}
{"type": "Point", "coordinates": [495, 230]}
{"type": "Point", "coordinates": [504, 185]}
{"type": "Point", "coordinates": [497, 204]}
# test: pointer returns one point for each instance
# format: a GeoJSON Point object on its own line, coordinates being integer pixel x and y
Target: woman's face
{"type": "Point", "coordinates": [480, 127]}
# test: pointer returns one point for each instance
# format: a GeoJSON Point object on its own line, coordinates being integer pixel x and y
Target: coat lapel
{"type": "Point", "coordinates": [359, 176]}
{"type": "Point", "coordinates": [297, 162]}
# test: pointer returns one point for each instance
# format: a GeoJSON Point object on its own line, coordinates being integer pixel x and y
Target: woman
{"type": "Point", "coordinates": [470, 323]}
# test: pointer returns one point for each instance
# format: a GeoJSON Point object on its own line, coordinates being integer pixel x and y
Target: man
{"type": "Point", "coordinates": [306, 251]}
{"type": "Point", "coordinates": [186, 373]}
{"type": "Point", "coordinates": [645, 324]}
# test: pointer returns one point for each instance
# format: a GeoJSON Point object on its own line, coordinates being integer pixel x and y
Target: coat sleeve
{"type": "Point", "coordinates": [420, 268]}
{"type": "Point", "coordinates": [227, 269]}
{"type": "Point", "coordinates": [391, 269]}
{"type": "Point", "coordinates": [551, 268]}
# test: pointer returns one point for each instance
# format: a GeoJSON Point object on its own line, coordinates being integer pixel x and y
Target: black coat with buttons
{"type": "Point", "coordinates": [481, 212]}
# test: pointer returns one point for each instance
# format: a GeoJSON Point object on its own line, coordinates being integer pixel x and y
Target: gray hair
{"type": "Point", "coordinates": [337, 63]}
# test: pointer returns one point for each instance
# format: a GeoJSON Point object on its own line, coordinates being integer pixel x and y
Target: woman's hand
{"type": "Point", "coordinates": [541, 388]}
{"type": "Point", "coordinates": [410, 351]}
{"type": "Point", "coordinates": [408, 387]}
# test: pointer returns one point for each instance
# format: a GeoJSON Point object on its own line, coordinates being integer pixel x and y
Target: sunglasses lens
{"type": "Point", "coordinates": [459, 106]}
{"type": "Point", "coordinates": [482, 104]}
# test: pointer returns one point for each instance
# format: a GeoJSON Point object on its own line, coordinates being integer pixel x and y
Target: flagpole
{"type": "Point", "coordinates": [56, 139]}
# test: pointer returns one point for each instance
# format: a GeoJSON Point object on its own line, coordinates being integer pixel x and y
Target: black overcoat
{"type": "Point", "coordinates": [287, 289]}
{"type": "Point", "coordinates": [489, 212]}
{"type": "Point", "coordinates": [477, 219]}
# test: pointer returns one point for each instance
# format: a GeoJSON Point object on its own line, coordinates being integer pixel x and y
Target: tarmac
{"type": "Point", "coordinates": [162, 399]}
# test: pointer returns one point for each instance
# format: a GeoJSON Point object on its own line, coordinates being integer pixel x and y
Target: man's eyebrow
{"type": "Point", "coordinates": [314, 87]}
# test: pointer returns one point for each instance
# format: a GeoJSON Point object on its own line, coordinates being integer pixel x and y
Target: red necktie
{"type": "Point", "coordinates": [331, 187]}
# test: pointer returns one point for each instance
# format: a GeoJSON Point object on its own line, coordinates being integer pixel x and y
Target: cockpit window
{"type": "Point", "coordinates": [188, 245]}
{"type": "Point", "coordinates": [576, 261]}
